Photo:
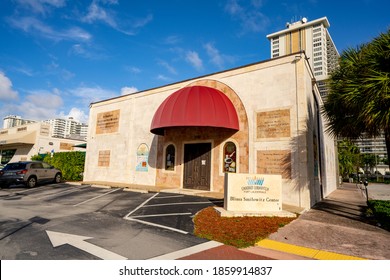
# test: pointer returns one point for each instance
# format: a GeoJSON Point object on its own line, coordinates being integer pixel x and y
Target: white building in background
{"type": "Point", "coordinates": [314, 39]}
{"type": "Point", "coordinates": [59, 128]}
{"type": "Point", "coordinates": [24, 141]}
{"type": "Point", "coordinates": [12, 121]}
{"type": "Point", "coordinates": [67, 128]}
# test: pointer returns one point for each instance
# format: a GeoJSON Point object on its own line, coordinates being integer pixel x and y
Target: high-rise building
{"type": "Point", "coordinates": [59, 128]}
{"type": "Point", "coordinates": [313, 38]}
{"type": "Point", "coordinates": [12, 121]}
{"type": "Point", "coordinates": [67, 128]}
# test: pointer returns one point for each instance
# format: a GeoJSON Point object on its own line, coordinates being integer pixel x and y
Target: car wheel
{"type": "Point", "coordinates": [31, 182]}
{"type": "Point", "coordinates": [57, 178]}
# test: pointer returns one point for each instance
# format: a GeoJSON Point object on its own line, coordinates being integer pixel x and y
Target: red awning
{"type": "Point", "coordinates": [195, 106]}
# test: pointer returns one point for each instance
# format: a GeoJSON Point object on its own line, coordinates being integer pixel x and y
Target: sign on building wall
{"type": "Point", "coordinates": [45, 130]}
{"type": "Point", "coordinates": [142, 158]}
{"type": "Point", "coordinates": [273, 124]}
{"type": "Point", "coordinates": [276, 162]}
{"type": "Point", "coordinates": [66, 146]}
{"type": "Point", "coordinates": [107, 122]}
{"type": "Point", "coordinates": [253, 192]}
{"type": "Point", "coordinates": [104, 158]}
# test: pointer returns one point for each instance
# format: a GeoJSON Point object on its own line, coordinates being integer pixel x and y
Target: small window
{"type": "Point", "coordinates": [36, 165]}
{"type": "Point", "coordinates": [46, 165]}
{"type": "Point", "coordinates": [170, 158]}
{"type": "Point", "coordinates": [229, 157]}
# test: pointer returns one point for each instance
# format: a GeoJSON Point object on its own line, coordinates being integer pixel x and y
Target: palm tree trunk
{"type": "Point", "coordinates": [387, 140]}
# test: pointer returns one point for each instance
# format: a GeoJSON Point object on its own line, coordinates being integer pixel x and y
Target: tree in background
{"type": "Point", "coordinates": [359, 97]}
{"type": "Point", "coordinates": [369, 161]}
{"type": "Point", "coordinates": [349, 158]}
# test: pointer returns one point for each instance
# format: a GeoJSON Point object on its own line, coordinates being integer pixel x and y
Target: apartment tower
{"type": "Point", "coordinates": [313, 38]}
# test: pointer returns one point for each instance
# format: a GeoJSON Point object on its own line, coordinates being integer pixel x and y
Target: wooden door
{"type": "Point", "coordinates": [197, 166]}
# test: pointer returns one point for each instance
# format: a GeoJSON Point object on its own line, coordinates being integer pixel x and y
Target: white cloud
{"type": "Point", "coordinates": [163, 78]}
{"type": "Point", "coordinates": [45, 99]}
{"type": "Point", "coordinates": [167, 66]}
{"type": "Point", "coordinates": [87, 51]}
{"type": "Point", "coordinates": [41, 6]}
{"type": "Point", "coordinates": [76, 114]}
{"type": "Point", "coordinates": [97, 13]}
{"type": "Point", "coordinates": [172, 40]}
{"type": "Point", "coordinates": [38, 28]}
{"type": "Point", "coordinates": [133, 69]}
{"type": "Point", "coordinates": [128, 90]}
{"type": "Point", "coordinates": [193, 58]}
{"type": "Point", "coordinates": [214, 54]}
{"type": "Point", "coordinates": [6, 91]}
{"type": "Point", "coordinates": [216, 57]}
{"type": "Point", "coordinates": [250, 18]}
{"type": "Point", "coordinates": [88, 95]}
{"type": "Point", "coordinates": [141, 22]}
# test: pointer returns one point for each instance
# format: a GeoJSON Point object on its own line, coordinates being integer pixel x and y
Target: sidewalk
{"type": "Point", "coordinates": [334, 229]}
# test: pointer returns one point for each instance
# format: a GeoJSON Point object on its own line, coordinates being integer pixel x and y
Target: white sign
{"type": "Point", "coordinates": [253, 192]}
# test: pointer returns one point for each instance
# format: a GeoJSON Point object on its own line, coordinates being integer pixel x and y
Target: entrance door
{"type": "Point", "coordinates": [197, 166]}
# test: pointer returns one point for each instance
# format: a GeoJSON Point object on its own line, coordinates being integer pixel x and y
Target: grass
{"type": "Point", "coordinates": [240, 232]}
{"type": "Point", "coordinates": [381, 211]}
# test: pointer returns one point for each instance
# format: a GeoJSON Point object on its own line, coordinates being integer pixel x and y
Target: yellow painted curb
{"type": "Point", "coordinates": [303, 251]}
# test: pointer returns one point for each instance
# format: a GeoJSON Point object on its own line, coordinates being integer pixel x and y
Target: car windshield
{"type": "Point", "coordinates": [15, 166]}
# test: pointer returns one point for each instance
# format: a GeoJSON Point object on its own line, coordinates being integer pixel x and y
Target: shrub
{"type": "Point", "coordinates": [38, 157]}
{"type": "Point", "coordinates": [71, 164]}
{"type": "Point", "coordinates": [381, 211]}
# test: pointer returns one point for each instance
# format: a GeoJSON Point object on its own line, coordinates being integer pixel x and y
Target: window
{"type": "Point", "coordinates": [170, 157]}
{"type": "Point", "coordinates": [6, 155]}
{"type": "Point", "coordinates": [46, 165]}
{"type": "Point", "coordinates": [36, 165]}
{"type": "Point", "coordinates": [229, 157]}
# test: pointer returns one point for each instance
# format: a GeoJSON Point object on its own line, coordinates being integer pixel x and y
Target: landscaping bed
{"type": "Point", "coordinates": [236, 231]}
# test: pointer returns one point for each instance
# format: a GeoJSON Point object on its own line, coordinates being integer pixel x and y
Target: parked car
{"type": "Point", "coordinates": [29, 173]}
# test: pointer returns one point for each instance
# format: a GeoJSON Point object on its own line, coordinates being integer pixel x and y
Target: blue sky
{"type": "Point", "coordinates": [58, 56]}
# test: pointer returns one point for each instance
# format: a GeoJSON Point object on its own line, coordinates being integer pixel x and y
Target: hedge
{"type": "Point", "coordinates": [71, 164]}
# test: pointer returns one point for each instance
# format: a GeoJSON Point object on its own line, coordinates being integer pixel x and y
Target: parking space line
{"type": "Point", "coordinates": [29, 190]}
{"type": "Point", "coordinates": [57, 193]}
{"type": "Point", "coordinates": [157, 225]}
{"type": "Point", "coordinates": [171, 196]}
{"type": "Point", "coordinates": [179, 203]}
{"type": "Point", "coordinates": [96, 197]}
{"type": "Point", "coordinates": [140, 206]}
{"type": "Point", "coordinates": [162, 215]}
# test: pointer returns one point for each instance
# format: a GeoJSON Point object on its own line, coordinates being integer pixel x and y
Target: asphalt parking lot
{"type": "Point", "coordinates": [126, 224]}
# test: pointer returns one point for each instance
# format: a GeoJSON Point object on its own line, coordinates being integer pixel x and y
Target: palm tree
{"type": "Point", "coordinates": [359, 98]}
{"type": "Point", "coordinates": [349, 158]}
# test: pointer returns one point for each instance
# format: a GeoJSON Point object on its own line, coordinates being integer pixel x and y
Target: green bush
{"type": "Point", "coordinates": [381, 211]}
{"type": "Point", "coordinates": [71, 164]}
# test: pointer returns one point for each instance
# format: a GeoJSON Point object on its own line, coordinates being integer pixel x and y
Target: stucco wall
{"type": "Point", "coordinates": [259, 92]}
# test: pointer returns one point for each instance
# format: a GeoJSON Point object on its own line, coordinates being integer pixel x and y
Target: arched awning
{"type": "Point", "coordinates": [195, 106]}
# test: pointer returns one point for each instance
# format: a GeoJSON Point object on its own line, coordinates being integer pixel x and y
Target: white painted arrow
{"type": "Point", "coordinates": [78, 241]}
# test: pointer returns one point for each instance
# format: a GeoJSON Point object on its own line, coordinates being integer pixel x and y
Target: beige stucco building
{"type": "Point", "coordinates": [262, 118]}
{"type": "Point", "coordinates": [24, 141]}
